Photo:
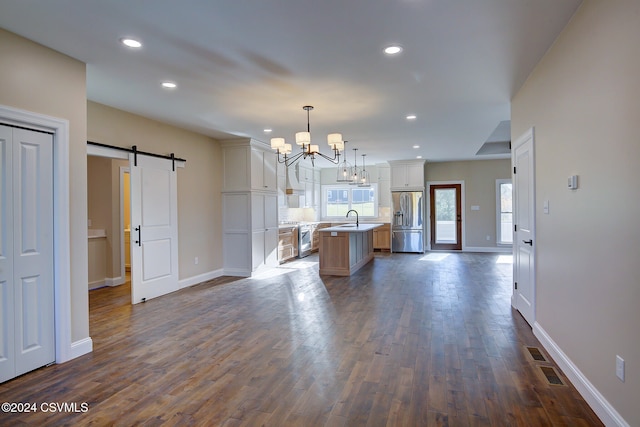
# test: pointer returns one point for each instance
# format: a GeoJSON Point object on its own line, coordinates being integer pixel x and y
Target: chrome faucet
{"type": "Point", "coordinates": [357, 217]}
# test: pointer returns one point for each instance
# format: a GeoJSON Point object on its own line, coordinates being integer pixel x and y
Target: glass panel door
{"type": "Point", "coordinates": [445, 202]}
{"type": "Point", "coordinates": [446, 217]}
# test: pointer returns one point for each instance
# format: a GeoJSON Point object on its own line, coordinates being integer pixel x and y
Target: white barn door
{"type": "Point", "coordinates": [154, 228]}
{"type": "Point", "coordinates": [27, 335]}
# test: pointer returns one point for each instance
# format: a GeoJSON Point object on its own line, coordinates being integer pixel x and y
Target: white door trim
{"type": "Point", "coordinates": [529, 134]}
{"type": "Point", "coordinates": [123, 170]}
{"type": "Point", "coordinates": [65, 348]}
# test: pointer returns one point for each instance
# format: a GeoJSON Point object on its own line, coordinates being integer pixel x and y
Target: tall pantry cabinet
{"type": "Point", "coordinates": [249, 206]}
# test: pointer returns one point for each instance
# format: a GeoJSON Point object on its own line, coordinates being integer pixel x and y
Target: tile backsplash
{"type": "Point", "coordinates": [311, 215]}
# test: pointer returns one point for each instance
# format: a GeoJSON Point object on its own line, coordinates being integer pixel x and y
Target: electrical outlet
{"type": "Point", "coordinates": [488, 237]}
{"type": "Point", "coordinates": [195, 260]}
{"type": "Point", "coordinates": [620, 368]}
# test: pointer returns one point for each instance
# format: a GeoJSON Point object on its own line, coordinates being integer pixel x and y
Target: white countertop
{"type": "Point", "coordinates": [351, 228]}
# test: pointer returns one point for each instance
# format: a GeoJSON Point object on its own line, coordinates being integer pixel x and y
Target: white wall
{"type": "Point", "coordinates": [479, 178]}
{"type": "Point", "coordinates": [199, 182]}
{"type": "Point", "coordinates": [583, 99]}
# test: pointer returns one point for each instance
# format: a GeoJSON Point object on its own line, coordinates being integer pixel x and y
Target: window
{"type": "Point", "coordinates": [504, 212]}
{"type": "Point", "coordinates": [337, 200]}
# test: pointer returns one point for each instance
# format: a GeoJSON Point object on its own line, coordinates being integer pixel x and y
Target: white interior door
{"type": "Point", "coordinates": [154, 228]}
{"type": "Point", "coordinates": [26, 251]}
{"type": "Point", "coordinates": [524, 234]}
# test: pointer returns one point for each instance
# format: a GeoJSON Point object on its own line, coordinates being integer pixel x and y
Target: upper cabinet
{"type": "Point", "coordinates": [248, 165]}
{"type": "Point", "coordinates": [306, 182]}
{"type": "Point", "coordinates": [384, 185]}
{"type": "Point", "coordinates": [263, 169]}
{"type": "Point", "coordinates": [407, 175]}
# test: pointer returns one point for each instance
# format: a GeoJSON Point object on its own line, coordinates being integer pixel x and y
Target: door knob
{"type": "Point", "coordinates": [528, 242]}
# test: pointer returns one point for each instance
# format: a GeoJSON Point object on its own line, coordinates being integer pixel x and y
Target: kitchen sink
{"type": "Point", "coordinates": [348, 226]}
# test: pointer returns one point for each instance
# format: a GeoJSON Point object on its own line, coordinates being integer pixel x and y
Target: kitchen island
{"type": "Point", "coordinates": [345, 249]}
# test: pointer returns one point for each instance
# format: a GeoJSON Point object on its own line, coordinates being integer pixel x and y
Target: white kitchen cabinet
{"type": "Point", "coordinates": [248, 165]}
{"type": "Point", "coordinates": [263, 169]}
{"type": "Point", "coordinates": [305, 174]}
{"type": "Point", "coordinates": [264, 211]}
{"type": "Point", "coordinates": [236, 234]}
{"type": "Point", "coordinates": [384, 186]}
{"type": "Point", "coordinates": [305, 178]}
{"type": "Point", "coordinates": [407, 175]}
{"type": "Point", "coordinates": [263, 250]}
{"type": "Point", "coordinates": [384, 172]}
{"type": "Point", "coordinates": [270, 255]}
{"type": "Point", "coordinates": [250, 207]}
{"type": "Point", "coordinates": [317, 194]}
{"type": "Point", "coordinates": [271, 247]}
{"type": "Point", "coordinates": [250, 232]}
{"type": "Point", "coordinates": [237, 167]}
{"type": "Point", "coordinates": [281, 176]}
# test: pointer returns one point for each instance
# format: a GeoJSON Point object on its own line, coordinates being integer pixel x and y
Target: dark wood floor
{"type": "Point", "coordinates": [405, 342]}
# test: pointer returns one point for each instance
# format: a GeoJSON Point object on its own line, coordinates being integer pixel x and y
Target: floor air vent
{"type": "Point", "coordinates": [536, 354]}
{"type": "Point", "coordinates": [551, 375]}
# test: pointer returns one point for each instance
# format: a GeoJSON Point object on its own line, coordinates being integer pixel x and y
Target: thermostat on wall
{"type": "Point", "coordinates": [572, 182]}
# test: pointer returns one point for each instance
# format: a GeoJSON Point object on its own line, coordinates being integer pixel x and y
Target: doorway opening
{"type": "Point", "coordinates": [108, 209]}
{"type": "Point", "coordinates": [445, 202]}
{"type": "Point", "coordinates": [153, 226]}
{"type": "Point", "coordinates": [125, 219]}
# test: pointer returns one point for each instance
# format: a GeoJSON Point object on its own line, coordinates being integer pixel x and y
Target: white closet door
{"type": "Point", "coordinates": [27, 249]}
{"type": "Point", "coordinates": [7, 313]}
{"type": "Point", "coordinates": [523, 241]}
{"type": "Point", "coordinates": [154, 228]}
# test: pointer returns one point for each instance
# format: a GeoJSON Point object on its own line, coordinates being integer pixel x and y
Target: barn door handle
{"type": "Point", "coordinates": [528, 242]}
{"type": "Point", "coordinates": [139, 241]}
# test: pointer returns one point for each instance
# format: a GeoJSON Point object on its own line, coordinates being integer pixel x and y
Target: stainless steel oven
{"type": "Point", "coordinates": [304, 240]}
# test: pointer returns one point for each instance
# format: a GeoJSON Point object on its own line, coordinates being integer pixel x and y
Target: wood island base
{"type": "Point", "coordinates": [345, 249]}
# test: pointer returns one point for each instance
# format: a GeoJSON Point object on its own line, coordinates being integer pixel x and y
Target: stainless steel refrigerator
{"type": "Point", "coordinates": [407, 221]}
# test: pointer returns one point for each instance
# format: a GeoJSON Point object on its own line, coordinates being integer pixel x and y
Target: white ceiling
{"type": "Point", "coordinates": [243, 66]}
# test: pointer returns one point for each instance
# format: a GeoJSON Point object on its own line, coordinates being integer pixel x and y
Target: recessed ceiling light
{"type": "Point", "coordinates": [418, 157]}
{"type": "Point", "coordinates": [416, 146]}
{"type": "Point", "coordinates": [268, 130]}
{"type": "Point", "coordinates": [131, 42]}
{"type": "Point", "coordinates": [411, 117]}
{"type": "Point", "coordinates": [169, 85]}
{"type": "Point", "coordinates": [393, 50]}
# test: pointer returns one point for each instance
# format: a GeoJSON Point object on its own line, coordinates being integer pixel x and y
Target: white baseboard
{"type": "Point", "coordinates": [607, 413]}
{"type": "Point", "coordinates": [96, 284]}
{"type": "Point", "coordinates": [194, 280]}
{"type": "Point", "coordinates": [237, 272]}
{"type": "Point", "coordinates": [81, 347]}
{"type": "Point", "coordinates": [114, 281]}
{"type": "Point", "coordinates": [107, 281]}
{"type": "Point", "coordinates": [492, 249]}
